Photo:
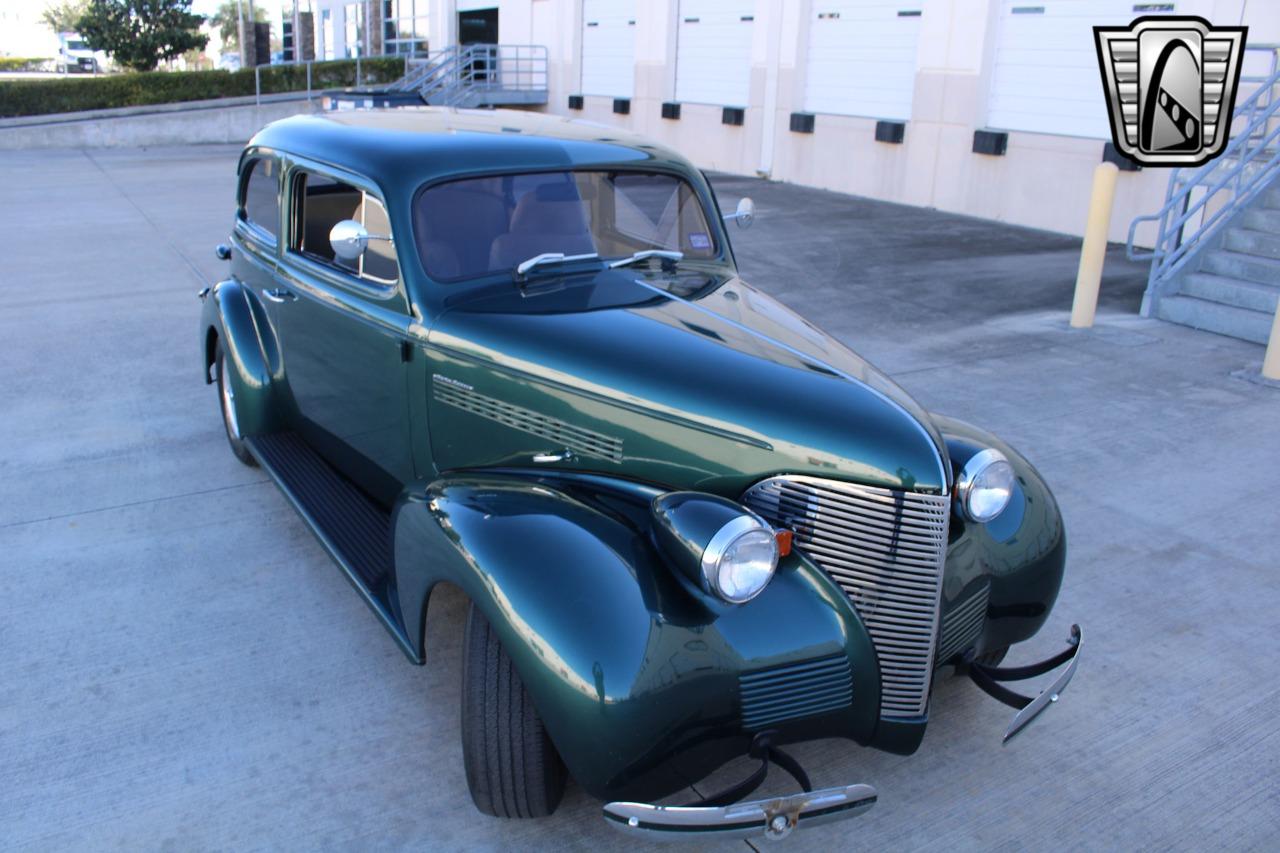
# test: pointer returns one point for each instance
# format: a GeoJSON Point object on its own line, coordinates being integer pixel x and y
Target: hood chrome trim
{"type": "Point", "coordinates": [579, 439]}
{"type": "Point", "coordinates": [590, 394]}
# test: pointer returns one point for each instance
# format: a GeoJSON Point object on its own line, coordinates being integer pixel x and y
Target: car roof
{"type": "Point", "coordinates": [404, 147]}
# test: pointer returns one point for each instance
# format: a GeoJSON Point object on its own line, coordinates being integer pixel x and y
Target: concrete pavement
{"type": "Point", "coordinates": [182, 667]}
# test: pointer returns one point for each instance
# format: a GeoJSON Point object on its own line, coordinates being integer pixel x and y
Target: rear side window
{"type": "Point", "coordinates": [324, 202]}
{"type": "Point", "coordinates": [260, 204]}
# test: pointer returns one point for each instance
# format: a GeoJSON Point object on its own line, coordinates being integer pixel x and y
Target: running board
{"type": "Point", "coordinates": [354, 529]}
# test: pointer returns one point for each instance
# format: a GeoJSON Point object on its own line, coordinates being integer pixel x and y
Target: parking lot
{"type": "Point", "coordinates": [182, 666]}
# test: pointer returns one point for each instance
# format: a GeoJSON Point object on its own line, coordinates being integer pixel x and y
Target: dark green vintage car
{"type": "Point", "coordinates": [512, 352]}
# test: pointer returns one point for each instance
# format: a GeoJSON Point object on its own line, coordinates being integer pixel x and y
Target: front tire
{"type": "Point", "coordinates": [513, 769]}
{"type": "Point", "coordinates": [227, 405]}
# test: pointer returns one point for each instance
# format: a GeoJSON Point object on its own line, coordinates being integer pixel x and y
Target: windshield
{"type": "Point", "coordinates": [75, 45]}
{"type": "Point", "coordinates": [477, 226]}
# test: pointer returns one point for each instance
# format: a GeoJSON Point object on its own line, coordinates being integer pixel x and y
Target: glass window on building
{"type": "Point", "coordinates": [327, 48]}
{"type": "Point", "coordinates": [353, 30]}
{"type": "Point", "coordinates": [405, 26]}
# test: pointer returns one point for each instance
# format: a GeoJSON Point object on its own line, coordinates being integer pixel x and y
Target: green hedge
{"type": "Point", "coordinates": [21, 63]}
{"type": "Point", "coordinates": [41, 97]}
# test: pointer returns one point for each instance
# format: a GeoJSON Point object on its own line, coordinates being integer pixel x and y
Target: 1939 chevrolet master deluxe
{"type": "Point", "coordinates": [512, 352]}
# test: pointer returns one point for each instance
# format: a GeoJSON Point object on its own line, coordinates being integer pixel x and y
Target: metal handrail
{"type": "Point", "coordinates": [1237, 171]}
{"type": "Point", "coordinates": [419, 70]}
{"type": "Point", "coordinates": [450, 76]}
{"type": "Point", "coordinates": [307, 63]}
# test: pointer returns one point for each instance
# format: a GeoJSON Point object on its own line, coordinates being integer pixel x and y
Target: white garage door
{"type": "Point", "coordinates": [609, 47]}
{"type": "Point", "coordinates": [1046, 78]}
{"type": "Point", "coordinates": [713, 52]}
{"type": "Point", "coordinates": [862, 57]}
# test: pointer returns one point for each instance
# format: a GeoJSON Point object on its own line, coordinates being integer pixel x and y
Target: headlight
{"type": "Point", "coordinates": [728, 551]}
{"type": "Point", "coordinates": [740, 559]}
{"type": "Point", "coordinates": [985, 486]}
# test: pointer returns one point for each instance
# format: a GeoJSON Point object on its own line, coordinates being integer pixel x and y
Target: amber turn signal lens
{"type": "Point", "coordinates": [784, 542]}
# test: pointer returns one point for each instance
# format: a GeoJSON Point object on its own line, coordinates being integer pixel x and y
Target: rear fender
{"type": "Point", "coordinates": [635, 676]}
{"type": "Point", "coordinates": [234, 316]}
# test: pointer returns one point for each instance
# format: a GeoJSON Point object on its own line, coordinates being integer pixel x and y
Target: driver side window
{"type": "Point", "coordinates": [323, 202]}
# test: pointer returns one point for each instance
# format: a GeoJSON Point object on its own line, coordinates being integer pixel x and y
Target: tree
{"type": "Point", "coordinates": [141, 33]}
{"type": "Point", "coordinates": [228, 29]}
{"type": "Point", "coordinates": [63, 17]}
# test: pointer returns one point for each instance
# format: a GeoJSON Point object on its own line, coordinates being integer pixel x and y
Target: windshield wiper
{"type": "Point", "coordinates": [525, 267]}
{"type": "Point", "coordinates": [645, 255]}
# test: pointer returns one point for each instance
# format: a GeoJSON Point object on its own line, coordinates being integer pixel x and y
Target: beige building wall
{"type": "Point", "coordinates": [1042, 180]}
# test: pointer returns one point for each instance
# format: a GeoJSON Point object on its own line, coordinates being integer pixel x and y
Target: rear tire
{"type": "Point", "coordinates": [513, 769]}
{"type": "Point", "coordinates": [227, 405]}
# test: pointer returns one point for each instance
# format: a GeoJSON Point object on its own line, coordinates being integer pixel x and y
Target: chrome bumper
{"type": "Point", "coordinates": [776, 817]}
{"type": "Point", "coordinates": [773, 818]}
{"type": "Point", "coordinates": [989, 680]}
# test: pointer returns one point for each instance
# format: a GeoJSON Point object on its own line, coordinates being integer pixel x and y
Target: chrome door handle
{"type": "Point", "coordinates": [279, 294]}
{"type": "Point", "coordinates": [544, 458]}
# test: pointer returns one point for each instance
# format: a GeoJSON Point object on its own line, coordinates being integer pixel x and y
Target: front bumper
{"type": "Point", "coordinates": [721, 816]}
{"type": "Point", "coordinates": [773, 818]}
{"type": "Point", "coordinates": [990, 679]}
{"type": "Point", "coordinates": [776, 817]}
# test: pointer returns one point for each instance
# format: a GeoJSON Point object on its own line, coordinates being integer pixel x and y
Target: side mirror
{"type": "Point", "coordinates": [744, 215]}
{"type": "Point", "coordinates": [349, 239]}
{"type": "Point", "coordinates": [223, 251]}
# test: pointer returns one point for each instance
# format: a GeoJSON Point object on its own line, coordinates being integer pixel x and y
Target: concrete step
{"type": "Point", "coordinates": [1227, 320]}
{"type": "Point", "coordinates": [1262, 219]}
{"type": "Point", "coordinates": [1240, 265]}
{"type": "Point", "coordinates": [1270, 198]}
{"type": "Point", "coordinates": [1232, 291]}
{"type": "Point", "coordinates": [1253, 242]}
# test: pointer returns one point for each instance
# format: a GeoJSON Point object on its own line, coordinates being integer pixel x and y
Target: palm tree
{"type": "Point", "coordinates": [228, 22]}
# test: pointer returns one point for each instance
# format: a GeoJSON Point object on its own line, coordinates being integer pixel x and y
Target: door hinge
{"type": "Point", "coordinates": [406, 352]}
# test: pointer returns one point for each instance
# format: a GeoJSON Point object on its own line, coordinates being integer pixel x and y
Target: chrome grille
{"type": "Point", "coordinates": [796, 690]}
{"type": "Point", "coordinates": [886, 549]}
{"type": "Point", "coordinates": [962, 624]}
{"type": "Point", "coordinates": [557, 432]}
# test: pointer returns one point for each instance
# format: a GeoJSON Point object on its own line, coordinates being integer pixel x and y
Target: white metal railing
{"type": "Point", "coordinates": [309, 63]}
{"type": "Point", "coordinates": [461, 72]}
{"type": "Point", "coordinates": [1200, 202]}
{"type": "Point", "coordinates": [418, 69]}
{"type": "Point", "coordinates": [453, 75]}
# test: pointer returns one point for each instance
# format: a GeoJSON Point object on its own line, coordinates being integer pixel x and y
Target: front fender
{"type": "Point", "coordinates": [238, 319]}
{"type": "Point", "coordinates": [634, 676]}
{"type": "Point", "coordinates": [1022, 552]}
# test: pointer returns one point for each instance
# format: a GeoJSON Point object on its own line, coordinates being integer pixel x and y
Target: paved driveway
{"type": "Point", "coordinates": [182, 667]}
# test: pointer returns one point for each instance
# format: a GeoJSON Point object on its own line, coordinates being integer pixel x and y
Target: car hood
{"type": "Point", "coordinates": [693, 380]}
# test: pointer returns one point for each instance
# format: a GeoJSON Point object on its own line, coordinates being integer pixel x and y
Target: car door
{"type": "Point", "coordinates": [343, 328]}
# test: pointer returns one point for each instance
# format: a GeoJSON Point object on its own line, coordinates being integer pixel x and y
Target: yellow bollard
{"type": "Point", "coordinates": [1094, 250]}
{"type": "Point", "coordinates": [1271, 362]}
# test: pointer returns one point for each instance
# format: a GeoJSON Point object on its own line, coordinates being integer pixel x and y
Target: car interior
{"type": "Point", "coordinates": [476, 226]}
{"type": "Point", "coordinates": [323, 203]}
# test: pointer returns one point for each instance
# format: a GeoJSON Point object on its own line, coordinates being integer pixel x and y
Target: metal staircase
{"type": "Point", "coordinates": [478, 75]}
{"type": "Point", "coordinates": [1216, 260]}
